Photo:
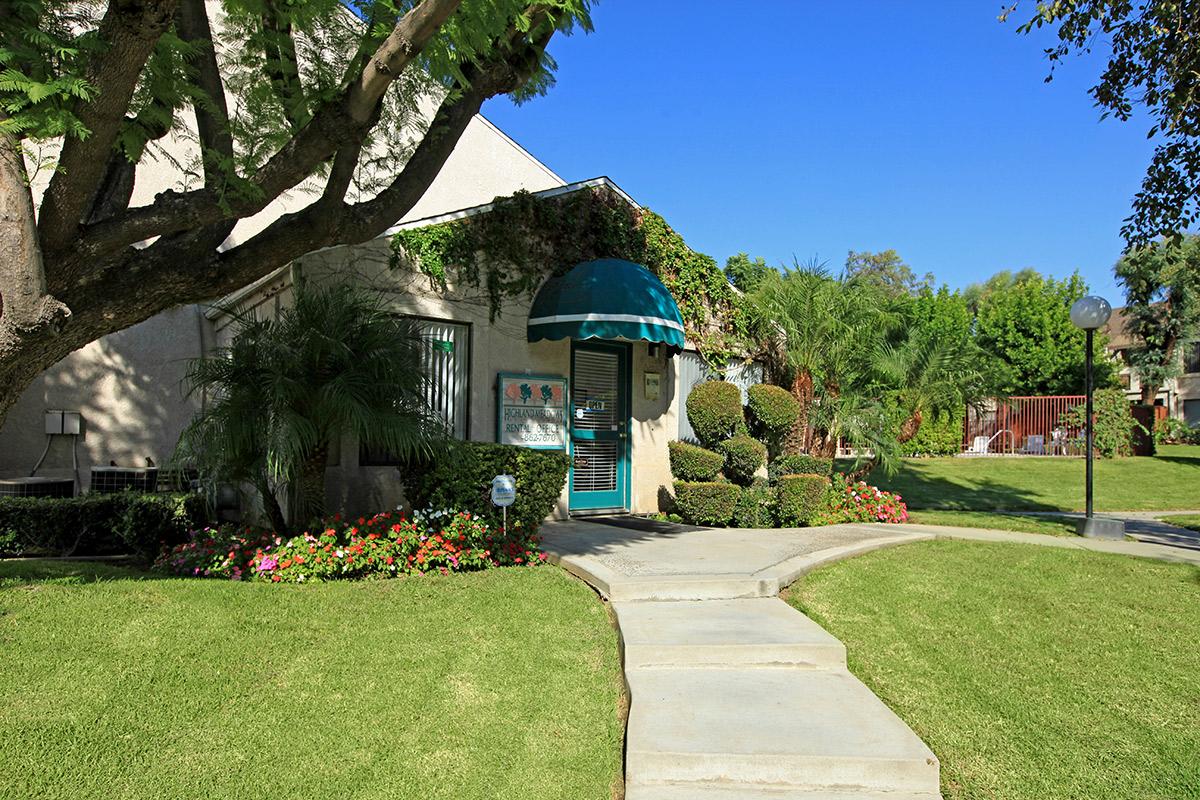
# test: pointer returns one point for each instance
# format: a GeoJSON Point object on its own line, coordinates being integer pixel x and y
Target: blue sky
{"type": "Point", "coordinates": [811, 128]}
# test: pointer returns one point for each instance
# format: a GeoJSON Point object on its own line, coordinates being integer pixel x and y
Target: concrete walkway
{"type": "Point", "coordinates": [1142, 526]}
{"type": "Point", "coordinates": [734, 694]}
{"type": "Point", "coordinates": [1138, 549]}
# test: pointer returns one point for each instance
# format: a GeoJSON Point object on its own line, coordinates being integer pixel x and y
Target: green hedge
{"type": "Point", "coordinates": [939, 435]}
{"type": "Point", "coordinates": [714, 410]}
{"type": "Point", "coordinates": [799, 465]}
{"type": "Point", "coordinates": [755, 507]}
{"type": "Point", "coordinates": [460, 479]}
{"type": "Point", "coordinates": [703, 503]}
{"type": "Point", "coordinates": [772, 411]}
{"type": "Point", "coordinates": [692, 463]}
{"type": "Point", "coordinates": [743, 456]}
{"type": "Point", "coordinates": [799, 498]}
{"type": "Point", "coordinates": [98, 524]}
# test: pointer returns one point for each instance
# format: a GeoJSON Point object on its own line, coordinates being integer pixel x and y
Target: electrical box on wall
{"type": "Point", "coordinates": [63, 422]}
{"type": "Point", "coordinates": [72, 423]}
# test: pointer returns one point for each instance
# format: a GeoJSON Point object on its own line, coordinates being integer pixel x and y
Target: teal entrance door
{"type": "Point", "coordinates": [599, 427]}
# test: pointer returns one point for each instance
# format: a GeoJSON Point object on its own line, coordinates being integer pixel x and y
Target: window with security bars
{"type": "Point", "coordinates": [446, 365]}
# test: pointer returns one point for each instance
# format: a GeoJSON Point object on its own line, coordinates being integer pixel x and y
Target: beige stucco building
{"type": "Point", "coordinates": [1179, 395]}
{"type": "Point", "coordinates": [127, 387]}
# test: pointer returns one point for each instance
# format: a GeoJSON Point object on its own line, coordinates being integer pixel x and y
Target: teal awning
{"type": "Point", "coordinates": [606, 299]}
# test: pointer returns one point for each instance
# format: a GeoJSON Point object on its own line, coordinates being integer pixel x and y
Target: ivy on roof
{"type": "Point", "coordinates": [508, 251]}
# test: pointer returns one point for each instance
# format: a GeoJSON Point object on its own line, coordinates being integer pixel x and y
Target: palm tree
{"type": "Point", "coordinates": [336, 363]}
{"type": "Point", "coordinates": [826, 330]}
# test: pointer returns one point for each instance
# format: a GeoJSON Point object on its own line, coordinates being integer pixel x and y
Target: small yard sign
{"type": "Point", "coordinates": [504, 491]}
{"type": "Point", "coordinates": [531, 411]}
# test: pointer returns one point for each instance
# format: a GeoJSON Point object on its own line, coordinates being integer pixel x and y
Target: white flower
{"type": "Point", "coordinates": [337, 553]}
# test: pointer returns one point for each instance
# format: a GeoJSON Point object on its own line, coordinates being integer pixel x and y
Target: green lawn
{"type": "Point", "coordinates": [1170, 480]}
{"type": "Point", "coordinates": [1191, 521]}
{"type": "Point", "coordinates": [1034, 673]}
{"type": "Point", "coordinates": [498, 684]}
{"type": "Point", "coordinates": [995, 521]}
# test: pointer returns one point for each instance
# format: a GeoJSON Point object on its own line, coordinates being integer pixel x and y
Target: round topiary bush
{"type": "Point", "coordinates": [799, 465]}
{"type": "Point", "coordinates": [799, 498]}
{"type": "Point", "coordinates": [714, 410]}
{"type": "Point", "coordinates": [692, 463]}
{"type": "Point", "coordinates": [706, 503]}
{"type": "Point", "coordinates": [773, 412]}
{"type": "Point", "coordinates": [743, 456]}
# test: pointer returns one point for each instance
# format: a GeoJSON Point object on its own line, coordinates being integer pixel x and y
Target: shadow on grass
{"type": "Point", "coordinates": [35, 571]}
{"type": "Point", "coordinates": [921, 490]}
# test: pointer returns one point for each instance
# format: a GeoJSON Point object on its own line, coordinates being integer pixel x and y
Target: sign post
{"type": "Point", "coordinates": [504, 494]}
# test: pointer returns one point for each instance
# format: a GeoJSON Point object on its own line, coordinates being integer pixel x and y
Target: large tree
{"type": "Point", "coordinates": [319, 94]}
{"type": "Point", "coordinates": [1153, 54]}
{"type": "Point", "coordinates": [1162, 297]}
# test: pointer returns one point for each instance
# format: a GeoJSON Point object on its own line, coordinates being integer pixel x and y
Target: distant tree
{"type": "Point", "coordinates": [886, 270]}
{"type": "Point", "coordinates": [1024, 320]}
{"type": "Point", "coordinates": [1162, 307]}
{"type": "Point", "coordinates": [1153, 60]}
{"type": "Point", "coordinates": [1004, 280]}
{"type": "Point", "coordinates": [746, 273]}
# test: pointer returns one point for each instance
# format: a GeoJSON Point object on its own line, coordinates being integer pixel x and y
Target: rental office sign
{"type": "Point", "coordinates": [532, 411]}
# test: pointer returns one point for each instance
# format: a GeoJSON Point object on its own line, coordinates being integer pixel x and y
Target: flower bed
{"type": "Point", "coordinates": [847, 501]}
{"type": "Point", "coordinates": [383, 546]}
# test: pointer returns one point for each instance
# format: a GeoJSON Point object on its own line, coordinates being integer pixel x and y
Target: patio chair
{"type": "Point", "coordinates": [979, 446]}
{"type": "Point", "coordinates": [1035, 445]}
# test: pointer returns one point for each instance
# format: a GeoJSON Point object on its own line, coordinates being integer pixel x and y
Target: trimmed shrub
{"type": "Point", "coordinates": [460, 478]}
{"type": "Point", "coordinates": [383, 546]}
{"type": "Point", "coordinates": [706, 503]}
{"type": "Point", "coordinates": [755, 507]}
{"type": "Point", "coordinates": [690, 462]}
{"type": "Point", "coordinates": [743, 456]}
{"type": "Point", "coordinates": [940, 434]}
{"type": "Point", "coordinates": [714, 410]}
{"type": "Point", "coordinates": [799, 465]}
{"type": "Point", "coordinates": [1113, 436]}
{"type": "Point", "coordinates": [98, 524]}
{"type": "Point", "coordinates": [799, 498]}
{"type": "Point", "coordinates": [772, 411]}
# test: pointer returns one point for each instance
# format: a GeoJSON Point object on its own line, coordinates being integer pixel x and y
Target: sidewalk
{"type": "Point", "coordinates": [1143, 548]}
{"type": "Point", "coordinates": [1144, 526]}
{"type": "Point", "coordinates": [735, 695]}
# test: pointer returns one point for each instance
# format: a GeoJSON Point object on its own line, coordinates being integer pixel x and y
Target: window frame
{"type": "Point", "coordinates": [368, 459]}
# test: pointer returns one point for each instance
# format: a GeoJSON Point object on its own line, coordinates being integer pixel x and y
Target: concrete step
{"type": "Point", "coordinates": [761, 631]}
{"type": "Point", "coordinates": [799, 728]}
{"type": "Point", "coordinates": [746, 791]}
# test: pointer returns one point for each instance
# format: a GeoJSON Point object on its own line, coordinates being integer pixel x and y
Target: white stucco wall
{"type": "Point", "coordinates": [128, 385]}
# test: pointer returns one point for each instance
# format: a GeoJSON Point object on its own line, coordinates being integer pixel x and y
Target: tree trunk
{"type": "Point", "coordinates": [271, 507]}
{"type": "Point", "coordinates": [29, 317]}
{"type": "Point", "coordinates": [310, 490]}
{"type": "Point", "coordinates": [910, 426]}
{"type": "Point", "coordinates": [797, 438]}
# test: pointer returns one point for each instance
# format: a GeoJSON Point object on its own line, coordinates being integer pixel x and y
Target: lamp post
{"type": "Point", "coordinates": [1090, 313]}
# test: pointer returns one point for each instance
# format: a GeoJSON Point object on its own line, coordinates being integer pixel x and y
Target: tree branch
{"type": "Point", "coordinates": [212, 114]}
{"type": "Point", "coordinates": [127, 34]}
{"type": "Point", "coordinates": [345, 119]}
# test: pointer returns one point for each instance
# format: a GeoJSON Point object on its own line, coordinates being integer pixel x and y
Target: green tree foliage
{"type": "Point", "coordinates": [253, 100]}
{"type": "Point", "coordinates": [1153, 58]}
{"type": "Point", "coordinates": [886, 270]}
{"type": "Point", "coordinates": [746, 273]}
{"type": "Point", "coordinates": [1024, 320]}
{"type": "Point", "coordinates": [1162, 297]}
{"type": "Point", "coordinates": [337, 363]}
